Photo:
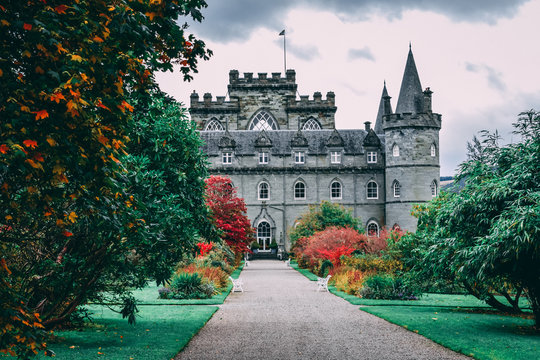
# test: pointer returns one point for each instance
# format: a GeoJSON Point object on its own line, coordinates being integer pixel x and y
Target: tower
{"type": "Point", "coordinates": [412, 149]}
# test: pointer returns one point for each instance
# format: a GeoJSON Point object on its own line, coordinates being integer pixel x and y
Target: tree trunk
{"type": "Point", "coordinates": [490, 300]}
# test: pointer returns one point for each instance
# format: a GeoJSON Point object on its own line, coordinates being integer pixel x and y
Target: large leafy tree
{"type": "Point", "coordinates": [322, 216]}
{"type": "Point", "coordinates": [486, 236]}
{"type": "Point", "coordinates": [165, 177]}
{"type": "Point", "coordinates": [66, 70]}
{"type": "Point", "coordinates": [229, 213]}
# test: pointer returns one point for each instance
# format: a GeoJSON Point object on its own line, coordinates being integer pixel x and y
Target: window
{"type": "Point", "coordinates": [373, 229]}
{"type": "Point", "coordinates": [263, 121]}
{"type": "Point", "coordinates": [226, 157]}
{"type": "Point", "coordinates": [434, 188]}
{"type": "Point", "coordinates": [372, 190]}
{"type": "Point", "coordinates": [397, 189]}
{"type": "Point", "coordinates": [299, 190]}
{"type": "Point", "coordinates": [263, 235]}
{"type": "Point", "coordinates": [264, 191]}
{"type": "Point", "coordinates": [214, 125]}
{"type": "Point", "coordinates": [263, 158]}
{"type": "Point", "coordinates": [311, 124]}
{"type": "Point", "coordinates": [395, 150]}
{"type": "Point", "coordinates": [372, 157]}
{"type": "Point", "coordinates": [335, 157]}
{"type": "Point", "coordinates": [335, 190]}
{"type": "Point", "coordinates": [433, 150]}
{"type": "Point", "coordinates": [299, 157]}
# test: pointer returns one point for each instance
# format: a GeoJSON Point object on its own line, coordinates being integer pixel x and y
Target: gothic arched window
{"type": "Point", "coordinates": [264, 191]}
{"type": "Point", "coordinates": [372, 190]}
{"type": "Point", "coordinates": [396, 186]}
{"type": "Point", "coordinates": [434, 188]}
{"type": "Point", "coordinates": [263, 121]}
{"type": "Point", "coordinates": [299, 190]}
{"type": "Point", "coordinates": [264, 234]}
{"type": "Point", "coordinates": [335, 190]}
{"type": "Point", "coordinates": [395, 150]}
{"type": "Point", "coordinates": [311, 124]}
{"type": "Point", "coordinates": [433, 150]}
{"type": "Point", "coordinates": [214, 125]}
{"type": "Point", "coordinates": [372, 229]}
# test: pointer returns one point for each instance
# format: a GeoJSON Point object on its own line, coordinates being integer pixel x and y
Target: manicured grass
{"type": "Point", "coordinates": [304, 272]}
{"type": "Point", "coordinates": [160, 333]}
{"type": "Point", "coordinates": [149, 296]}
{"type": "Point", "coordinates": [475, 332]}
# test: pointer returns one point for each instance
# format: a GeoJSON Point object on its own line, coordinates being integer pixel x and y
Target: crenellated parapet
{"type": "Point", "coordinates": [410, 120]}
{"type": "Point", "coordinates": [208, 105]}
{"type": "Point", "coordinates": [327, 105]}
{"type": "Point", "coordinates": [261, 81]}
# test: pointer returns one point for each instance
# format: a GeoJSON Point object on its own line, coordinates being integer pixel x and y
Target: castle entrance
{"type": "Point", "coordinates": [264, 236]}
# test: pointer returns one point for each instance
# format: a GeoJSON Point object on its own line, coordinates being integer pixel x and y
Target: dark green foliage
{"type": "Point", "coordinates": [190, 286]}
{"type": "Point", "coordinates": [325, 268]}
{"type": "Point", "coordinates": [320, 217]}
{"type": "Point", "coordinates": [486, 237]}
{"type": "Point", "coordinates": [387, 287]}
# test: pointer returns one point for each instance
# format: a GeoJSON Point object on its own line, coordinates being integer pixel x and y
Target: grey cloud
{"type": "Point", "coordinates": [236, 19]}
{"type": "Point", "coordinates": [494, 77]}
{"type": "Point", "coordinates": [364, 53]}
{"type": "Point", "coordinates": [304, 52]}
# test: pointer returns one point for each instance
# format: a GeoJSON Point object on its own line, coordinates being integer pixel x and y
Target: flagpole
{"type": "Point", "coordinates": [284, 51]}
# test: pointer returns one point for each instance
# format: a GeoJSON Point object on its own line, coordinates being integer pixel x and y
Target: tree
{"type": "Point", "coordinates": [229, 213]}
{"type": "Point", "coordinates": [486, 235]}
{"type": "Point", "coordinates": [321, 217]}
{"type": "Point", "coordinates": [66, 71]}
{"type": "Point", "coordinates": [334, 242]}
{"type": "Point", "coordinates": [165, 177]}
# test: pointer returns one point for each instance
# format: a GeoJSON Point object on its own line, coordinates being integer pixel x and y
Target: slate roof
{"type": "Point", "coordinates": [410, 94]}
{"type": "Point", "coordinates": [378, 122]}
{"type": "Point", "coordinates": [281, 141]}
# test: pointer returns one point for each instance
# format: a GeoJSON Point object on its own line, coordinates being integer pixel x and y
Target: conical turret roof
{"type": "Point", "coordinates": [410, 93]}
{"type": "Point", "coordinates": [378, 122]}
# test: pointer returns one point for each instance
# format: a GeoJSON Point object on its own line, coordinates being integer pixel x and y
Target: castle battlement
{"type": "Point", "coordinates": [317, 102]}
{"type": "Point", "coordinates": [208, 103]}
{"type": "Point", "coordinates": [404, 120]}
{"type": "Point", "coordinates": [262, 78]}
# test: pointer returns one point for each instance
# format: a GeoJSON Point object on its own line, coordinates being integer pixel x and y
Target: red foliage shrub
{"type": "Point", "coordinates": [334, 242]}
{"type": "Point", "coordinates": [376, 244]}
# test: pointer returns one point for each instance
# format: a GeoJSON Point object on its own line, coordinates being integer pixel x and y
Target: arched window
{"type": "Point", "coordinates": [335, 190]}
{"type": "Point", "coordinates": [299, 190]}
{"type": "Point", "coordinates": [396, 186]}
{"type": "Point", "coordinates": [433, 150]}
{"type": "Point", "coordinates": [395, 150]}
{"type": "Point", "coordinates": [263, 121]}
{"type": "Point", "coordinates": [372, 190]}
{"type": "Point", "coordinates": [264, 191]}
{"type": "Point", "coordinates": [434, 188]}
{"type": "Point", "coordinates": [311, 124]}
{"type": "Point", "coordinates": [372, 229]}
{"type": "Point", "coordinates": [214, 125]}
{"type": "Point", "coordinates": [264, 234]}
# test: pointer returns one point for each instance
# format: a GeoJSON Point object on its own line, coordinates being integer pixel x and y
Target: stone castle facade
{"type": "Point", "coordinates": [284, 154]}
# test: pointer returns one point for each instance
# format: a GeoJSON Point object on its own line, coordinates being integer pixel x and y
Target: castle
{"type": "Point", "coordinates": [284, 154]}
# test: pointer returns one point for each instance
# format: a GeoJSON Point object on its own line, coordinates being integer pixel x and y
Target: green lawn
{"type": "Point", "coordinates": [304, 272]}
{"type": "Point", "coordinates": [160, 333]}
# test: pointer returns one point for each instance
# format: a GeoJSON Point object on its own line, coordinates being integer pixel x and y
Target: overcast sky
{"type": "Point", "coordinates": [480, 58]}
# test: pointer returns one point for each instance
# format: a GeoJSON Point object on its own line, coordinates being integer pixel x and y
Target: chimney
{"type": "Point", "coordinates": [291, 75]}
{"type": "Point", "coordinates": [386, 104]}
{"type": "Point", "coordinates": [367, 125]}
{"type": "Point", "coordinates": [194, 99]}
{"type": "Point", "coordinates": [427, 101]}
{"type": "Point", "coordinates": [331, 97]}
{"type": "Point", "coordinates": [248, 77]}
{"type": "Point", "coordinates": [207, 99]}
{"type": "Point", "coordinates": [317, 96]}
{"type": "Point", "coordinates": [233, 76]}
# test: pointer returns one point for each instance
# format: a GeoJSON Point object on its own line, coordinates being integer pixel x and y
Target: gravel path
{"type": "Point", "coordinates": [281, 315]}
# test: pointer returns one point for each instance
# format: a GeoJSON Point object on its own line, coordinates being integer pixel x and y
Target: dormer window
{"type": "Point", "coordinates": [263, 157]}
{"type": "Point", "coordinates": [372, 157]}
{"type": "Point", "coordinates": [226, 157]}
{"type": "Point", "coordinates": [335, 157]}
{"type": "Point", "coordinates": [299, 157]}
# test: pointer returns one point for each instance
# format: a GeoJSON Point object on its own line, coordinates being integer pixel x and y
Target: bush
{"type": "Point", "coordinates": [333, 243]}
{"type": "Point", "coordinates": [326, 266]}
{"type": "Point", "coordinates": [370, 263]}
{"type": "Point", "coordinates": [387, 287]}
{"type": "Point", "coordinates": [348, 279]}
{"type": "Point", "coordinates": [188, 286]}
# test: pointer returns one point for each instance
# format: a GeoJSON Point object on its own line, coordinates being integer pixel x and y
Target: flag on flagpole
{"type": "Point", "coordinates": [282, 32]}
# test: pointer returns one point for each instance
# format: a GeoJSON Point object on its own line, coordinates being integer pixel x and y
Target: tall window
{"type": "Point", "coordinates": [299, 157]}
{"type": "Point", "coordinates": [372, 190]}
{"type": "Point", "coordinates": [299, 190]}
{"type": "Point", "coordinates": [335, 190]}
{"type": "Point", "coordinates": [372, 157]}
{"type": "Point", "coordinates": [214, 125]}
{"type": "Point", "coordinates": [311, 124]}
{"type": "Point", "coordinates": [263, 121]}
{"type": "Point", "coordinates": [263, 158]}
{"type": "Point", "coordinates": [226, 157]}
{"type": "Point", "coordinates": [264, 191]}
{"type": "Point", "coordinates": [264, 234]}
{"type": "Point", "coordinates": [433, 150]}
{"type": "Point", "coordinates": [395, 150]}
{"type": "Point", "coordinates": [373, 229]}
{"type": "Point", "coordinates": [397, 189]}
{"type": "Point", "coordinates": [335, 157]}
{"type": "Point", "coordinates": [434, 188]}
